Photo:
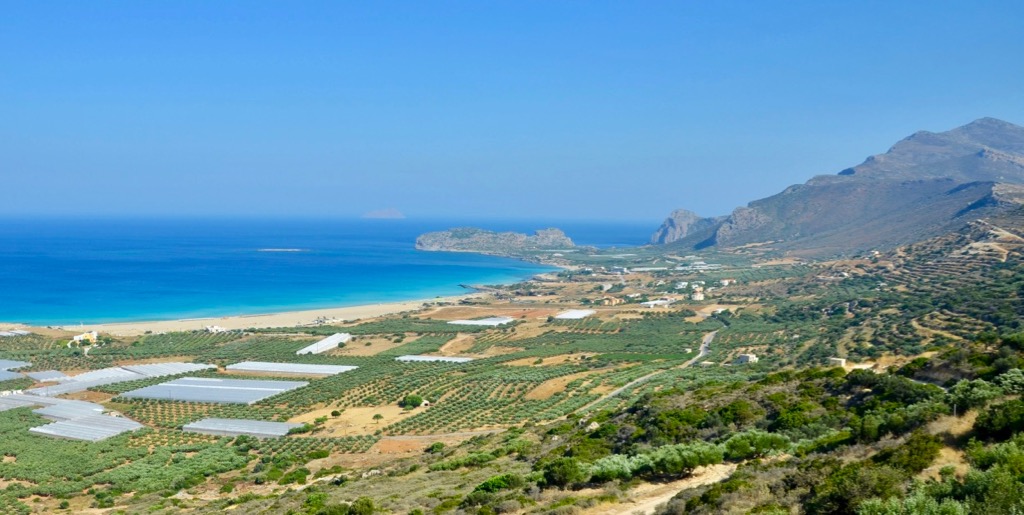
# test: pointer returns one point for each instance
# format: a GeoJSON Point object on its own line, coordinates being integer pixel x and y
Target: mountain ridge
{"type": "Point", "coordinates": [925, 184]}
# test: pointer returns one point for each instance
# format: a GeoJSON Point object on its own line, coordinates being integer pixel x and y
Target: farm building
{"type": "Point", "coordinates": [659, 303]}
{"type": "Point", "coordinates": [428, 359]}
{"type": "Point", "coordinates": [221, 391]}
{"type": "Point", "coordinates": [331, 342]}
{"type": "Point", "coordinates": [575, 314]}
{"type": "Point", "coordinates": [746, 358]}
{"type": "Point", "coordinates": [236, 427]}
{"type": "Point", "coordinates": [491, 321]}
{"type": "Point", "coordinates": [90, 336]}
{"type": "Point", "coordinates": [837, 362]}
{"type": "Point", "coordinates": [290, 368]}
{"type": "Point", "coordinates": [16, 332]}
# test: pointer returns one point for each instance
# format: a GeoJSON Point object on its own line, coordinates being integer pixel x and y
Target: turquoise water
{"type": "Point", "coordinates": [57, 272]}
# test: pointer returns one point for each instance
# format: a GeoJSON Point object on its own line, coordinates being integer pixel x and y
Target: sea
{"type": "Point", "coordinates": [71, 271]}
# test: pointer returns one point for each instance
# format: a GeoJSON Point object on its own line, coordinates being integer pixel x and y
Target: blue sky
{"type": "Point", "coordinates": [476, 109]}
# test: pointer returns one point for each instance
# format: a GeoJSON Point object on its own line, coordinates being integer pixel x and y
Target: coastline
{"type": "Point", "coordinates": [256, 321]}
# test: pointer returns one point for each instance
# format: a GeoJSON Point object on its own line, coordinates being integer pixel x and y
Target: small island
{"type": "Point", "coordinates": [470, 239]}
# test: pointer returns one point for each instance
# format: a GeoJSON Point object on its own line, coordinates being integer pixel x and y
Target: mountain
{"type": "Point", "coordinates": [469, 239]}
{"type": "Point", "coordinates": [925, 185]}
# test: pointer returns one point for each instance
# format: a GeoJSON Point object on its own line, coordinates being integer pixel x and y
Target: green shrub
{"type": "Point", "coordinates": [502, 482]}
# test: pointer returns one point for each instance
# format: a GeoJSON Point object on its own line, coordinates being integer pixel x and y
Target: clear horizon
{"type": "Point", "coordinates": [461, 110]}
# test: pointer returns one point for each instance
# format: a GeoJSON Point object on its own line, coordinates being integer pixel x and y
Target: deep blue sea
{"type": "Point", "coordinates": [55, 272]}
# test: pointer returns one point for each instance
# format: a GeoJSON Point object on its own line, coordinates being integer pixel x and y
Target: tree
{"type": "Point", "coordinates": [972, 394]}
{"type": "Point", "coordinates": [679, 460]}
{"type": "Point", "coordinates": [754, 444]}
{"type": "Point", "coordinates": [917, 503]}
{"type": "Point", "coordinates": [919, 451]}
{"type": "Point", "coordinates": [411, 401]}
{"type": "Point", "coordinates": [1012, 381]}
{"type": "Point", "coordinates": [378, 417]}
{"type": "Point", "coordinates": [563, 472]}
{"type": "Point", "coordinates": [362, 506]}
{"type": "Point", "coordinates": [847, 487]}
{"type": "Point", "coordinates": [1001, 421]}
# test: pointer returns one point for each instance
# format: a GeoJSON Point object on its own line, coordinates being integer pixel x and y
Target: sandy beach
{"type": "Point", "coordinates": [259, 321]}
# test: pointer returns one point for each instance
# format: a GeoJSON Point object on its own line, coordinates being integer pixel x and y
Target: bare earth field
{"type": "Point", "coordinates": [470, 312]}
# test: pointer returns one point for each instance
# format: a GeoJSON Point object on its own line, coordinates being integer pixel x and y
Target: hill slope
{"type": "Point", "coordinates": [925, 185]}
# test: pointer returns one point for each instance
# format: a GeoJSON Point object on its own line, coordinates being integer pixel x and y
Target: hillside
{"type": "Point", "coordinates": [712, 403]}
{"type": "Point", "coordinates": [924, 186]}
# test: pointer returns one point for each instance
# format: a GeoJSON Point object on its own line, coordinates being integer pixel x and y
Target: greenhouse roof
{"type": "Point", "coordinates": [225, 391]}
{"type": "Point", "coordinates": [111, 375]}
{"type": "Point", "coordinates": [91, 428]}
{"type": "Point", "coordinates": [290, 368]}
{"type": "Point", "coordinates": [7, 375]}
{"type": "Point", "coordinates": [7, 364]}
{"type": "Point", "coordinates": [48, 375]}
{"type": "Point", "coordinates": [229, 426]}
{"type": "Point", "coordinates": [331, 342]}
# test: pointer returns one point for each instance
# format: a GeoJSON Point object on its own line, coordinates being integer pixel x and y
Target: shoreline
{"type": "Point", "coordinates": [299, 318]}
{"type": "Point", "coordinates": [296, 318]}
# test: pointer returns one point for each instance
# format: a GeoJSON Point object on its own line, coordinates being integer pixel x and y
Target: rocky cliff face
{"type": "Point", "coordinates": [469, 239]}
{"type": "Point", "coordinates": [925, 185]}
{"type": "Point", "coordinates": [682, 223]}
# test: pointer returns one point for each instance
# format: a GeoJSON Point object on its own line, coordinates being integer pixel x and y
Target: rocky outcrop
{"type": "Point", "coordinates": [470, 239]}
{"type": "Point", "coordinates": [681, 224]}
{"type": "Point", "coordinates": [925, 185]}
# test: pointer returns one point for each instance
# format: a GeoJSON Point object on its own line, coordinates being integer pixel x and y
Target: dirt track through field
{"type": "Point", "coordinates": [704, 346]}
{"type": "Point", "coordinates": [647, 497]}
{"type": "Point", "coordinates": [442, 436]}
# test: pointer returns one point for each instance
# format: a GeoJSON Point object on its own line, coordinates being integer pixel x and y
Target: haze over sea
{"type": "Point", "coordinates": [61, 271]}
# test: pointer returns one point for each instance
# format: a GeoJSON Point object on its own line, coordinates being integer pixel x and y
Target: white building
{"type": "Point", "coordinates": [90, 336]}
{"type": "Point", "coordinates": [746, 358]}
{"type": "Point", "coordinates": [659, 303]}
{"type": "Point", "coordinates": [214, 329]}
{"type": "Point", "coordinates": [575, 314]}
